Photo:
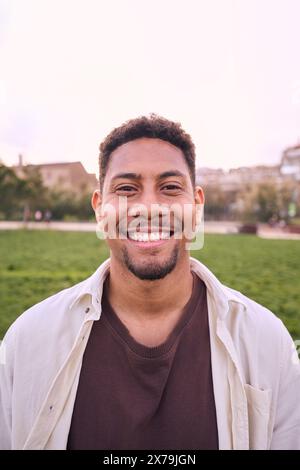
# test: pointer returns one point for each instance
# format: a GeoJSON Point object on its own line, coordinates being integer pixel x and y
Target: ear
{"type": "Point", "coordinates": [199, 206]}
{"type": "Point", "coordinates": [199, 195]}
{"type": "Point", "coordinates": [96, 202]}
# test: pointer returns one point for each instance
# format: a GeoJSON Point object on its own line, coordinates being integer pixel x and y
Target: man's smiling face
{"type": "Point", "coordinates": [148, 172]}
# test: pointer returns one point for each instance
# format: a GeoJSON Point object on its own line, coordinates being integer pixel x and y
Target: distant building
{"type": "Point", "coordinates": [290, 162]}
{"type": "Point", "coordinates": [255, 174]}
{"type": "Point", "coordinates": [209, 176]}
{"type": "Point", "coordinates": [233, 179]}
{"type": "Point", "coordinates": [68, 176]}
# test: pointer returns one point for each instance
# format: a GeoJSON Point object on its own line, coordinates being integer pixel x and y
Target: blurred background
{"type": "Point", "coordinates": [228, 70]}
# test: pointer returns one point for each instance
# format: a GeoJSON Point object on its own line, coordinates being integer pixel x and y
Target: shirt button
{"type": "Point", "coordinates": [87, 310]}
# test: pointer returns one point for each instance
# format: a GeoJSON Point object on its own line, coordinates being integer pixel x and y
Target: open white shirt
{"type": "Point", "coordinates": [255, 367]}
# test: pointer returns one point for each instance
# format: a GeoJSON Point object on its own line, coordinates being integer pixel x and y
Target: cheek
{"type": "Point", "coordinates": [113, 244]}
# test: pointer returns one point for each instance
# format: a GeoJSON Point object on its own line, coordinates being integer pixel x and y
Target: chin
{"type": "Point", "coordinates": [151, 269]}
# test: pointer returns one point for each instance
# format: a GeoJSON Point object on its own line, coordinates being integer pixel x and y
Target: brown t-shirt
{"type": "Point", "coordinates": [131, 396]}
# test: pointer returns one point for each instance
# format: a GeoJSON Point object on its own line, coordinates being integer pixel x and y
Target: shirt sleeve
{"type": "Point", "coordinates": [6, 391]}
{"type": "Point", "coordinates": [286, 431]}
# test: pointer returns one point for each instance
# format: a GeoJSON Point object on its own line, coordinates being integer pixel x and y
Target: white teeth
{"type": "Point", "coordinates": [146, 237]}
{"type": "Point", "coordinates": [165, 235]}
{"type": "Point", "coordinates": [154, 236]}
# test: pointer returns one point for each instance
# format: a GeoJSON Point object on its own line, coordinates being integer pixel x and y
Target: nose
{"type": "Point", "coordinates": [148, 206]}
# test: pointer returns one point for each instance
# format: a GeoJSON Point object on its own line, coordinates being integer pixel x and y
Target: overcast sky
{"type": "Point", "coordinates": [228, 70]}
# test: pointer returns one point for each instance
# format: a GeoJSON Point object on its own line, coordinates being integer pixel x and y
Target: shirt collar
{"type": "Point", "coordinates": [93, 285]}
{"type": "Point", "coordinates": [222, 295]}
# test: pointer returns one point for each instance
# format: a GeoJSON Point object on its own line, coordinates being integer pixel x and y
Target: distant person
{"type": "Point", "coordinates": [47, 216]}
{"type": "Point", "coordinates": [26, 213]}
{"type": "Point", "coordinates": [273, 221]}
{"type": "Point", "coordinates": [152, 351]}
{"type": "Point", "coordinates": [38, 215]}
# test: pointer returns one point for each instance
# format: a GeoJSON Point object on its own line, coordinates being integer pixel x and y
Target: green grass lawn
{"type": "Point", "coordinates": [34, 265]}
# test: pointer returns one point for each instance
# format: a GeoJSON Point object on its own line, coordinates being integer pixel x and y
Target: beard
{"type": "Point", "coordinates": [152, 270]}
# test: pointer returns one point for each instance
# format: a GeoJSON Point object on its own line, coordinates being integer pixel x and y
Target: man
{"type": "Point", "coordinates": [151, 351]}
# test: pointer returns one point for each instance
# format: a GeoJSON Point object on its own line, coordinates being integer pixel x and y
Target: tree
{"type": "Point", "coordinates": [268, 201]}
{"type": "Point", "coordinates": [33, 193]}
{"type": "Point", "coordinates": [10, 186]}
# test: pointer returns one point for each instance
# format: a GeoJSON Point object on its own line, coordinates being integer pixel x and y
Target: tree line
{"type": "Point", "coordinates": [21, 198]}
{"type": "Point", "coordinates": [269, 201]}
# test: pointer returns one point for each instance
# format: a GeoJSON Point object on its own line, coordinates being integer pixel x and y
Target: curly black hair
{"type": "Point", "coordinates": [152, 126]}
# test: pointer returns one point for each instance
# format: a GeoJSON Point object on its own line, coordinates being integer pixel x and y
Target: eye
{"type": "Point", "coordinates": [170, 187]}
{"type": "Point", "coordinates": [126, 188]}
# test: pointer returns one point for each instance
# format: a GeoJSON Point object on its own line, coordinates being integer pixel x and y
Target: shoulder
{"type": "Point", "coordinates": [256, 319]}
{"type": "Point", "coordinates": [45, 315]}
{"type": "Point", "coordinates": [261, 339]}
{"type": "Point", "coordinates": [244, 317]}
{"type": "Point", "coordinates": [254, 311]}
{"type": "Point", "coordinates": [38, 342]}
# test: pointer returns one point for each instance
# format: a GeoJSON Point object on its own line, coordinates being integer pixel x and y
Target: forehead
{"type": "Point", "coordinates": [147, 157]}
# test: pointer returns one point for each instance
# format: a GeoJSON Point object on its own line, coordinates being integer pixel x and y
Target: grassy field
{"type": "Point", "coordinates": [34, 265]}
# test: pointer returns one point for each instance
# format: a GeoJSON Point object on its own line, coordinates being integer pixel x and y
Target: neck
{"type": "Point", "coordinates": [144, 299]}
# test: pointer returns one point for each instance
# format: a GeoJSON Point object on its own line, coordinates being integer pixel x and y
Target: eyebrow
{"type": "Point", "coordinates": [136, 176]}
{"type": "Point", "coordinates": [129, 176]}
{"type": "Point", "coordinates": [166, 174]}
